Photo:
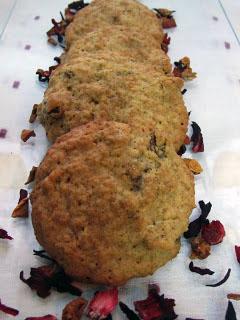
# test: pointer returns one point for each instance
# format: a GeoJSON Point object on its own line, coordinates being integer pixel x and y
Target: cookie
{"type": "Point", "coordinates": [128, 13]}
{"type": "Point", "coordinates": [109, 205]}
{"type": "Point", "coordinates": [120, 43]}
{"type": "Point", "coordinates": [99, 89]}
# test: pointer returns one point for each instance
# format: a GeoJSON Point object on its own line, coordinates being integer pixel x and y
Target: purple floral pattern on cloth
{"type": "Point", "coordinates": [16, 84]}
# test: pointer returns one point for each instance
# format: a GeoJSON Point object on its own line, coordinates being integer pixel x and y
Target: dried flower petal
{"type": "Point", "coordinates": [27, 134]}
{"type": "Point", "coordinates": [41, 254]}
{"type": "Point", "coordinates": [234, 296]}
{"type": "Point", "coordinates": [165, 43]}
{"type": "Point", "coordinates": [130, 314]}
{"type": "Point", "coordinates": [200, 248]}
{"type": "Point", "coordinates": [4, 235]}
{"type": "Point", "coordinates": [8, 310]}
{"type": "Point", "coordinates": [200, 271]}
{"type": "Point", "coordinates": [182, 150]}
{"type": "Point", "coordinates": [33, 115]}
{"type": "Point", "coordinates": [187, 140]}
{"type": "Point", "coordinates": [52, 41]}
{"type": "Point", "coordinates": [193, 319]}
{"type": "Point", "coordinates": [47, 317]}
{"type": "Point", "coordinates": [230, 313]}
{"type": "Point", "coordinates": [103, 303]}
{"type": "Point", "coordinates": [237, 251]}
{"type": "Point", "coordinates": [74, 309]}
{"type": "Point", "coordinates": [183, 70]}
{"type": "Point", "coordinates": [195, 226]}
{"type": "Point", "coordinates": [44, 76]}
{"type": "Point", "coordinates": [183, 91]}
{"type": "Point", "coordinates": [3, 133]}
{"type": "Point", "coordinates": [193, 165]}
{"type": "Point", "coordinates": [155, 306]}
{"type": "Point", "coordinates": [42, 279]}
{"type": "Point", "coordinates": [162, 12]}
{"type": "Point", "coordinates": [21, 210]}
{"type": "Point", "coordinates": [213, 233]}
{"type": "Point", "coordinates": [168, 23]}
{"type": "Point", "coordinates": [31, 176]}
{"type": "Point", "coordinates": [225, 278]}
{"type": "Point", "coordinates": [197, 138]}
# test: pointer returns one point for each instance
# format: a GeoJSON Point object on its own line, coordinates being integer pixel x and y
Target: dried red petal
{"type": "Point", "coordinates": [33, 115]}
{"type": "Point", "coordinates": [201, 271]}
{"type": "Point", "coordinates": [195, 226]}
{"type": "Point", "coordinates": [47, 317]}
{"type": "Point", "coordinates": [237, 251]}
{"type": "Point", "coordinates": [187, 140]}
{"type": "Point", "coordinates": [27, 134]}
{"type": "Point", "coordinates": [218, 284]}
{"type": "Point", "coordinates": [230, 313]}
{"type": "Point", "coordinates": [21, 210]}
{"type": "Point", "coordinates": [31, 176]}
{"type": "Point", "coordinates": [103, 303]}
{"type": "Point", "coordinates": [155, 306]}
{"type": "Point", "coordinates": [197, 138]}
{"type": "Point", "coordinates": [233, 296]}
{"type": "Point", "coordinates": [4, 235]}
{"type": "Point", "coordinates": [8, 310]}
{"type": "Point", "coordinates": [165, 43]}
{"type": "Point", "coordinates": [168, 22]}
{"type": "Point", "coordinates": [130, 314]}
{"type": "Point", "coordinates": [213, 233]}
{"type": "Point", "coordinates": [43, 278]}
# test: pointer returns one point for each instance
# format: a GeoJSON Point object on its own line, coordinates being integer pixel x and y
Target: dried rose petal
{"type": "Point", "coordinates": [8, 310]}
{"type": "Point", "coordinates": [195, 226]}
{"type": "Point", "coordinates": [3, 133]}
{"type": "Point", "coordinates": [33, 115]}
{"type": "Point", "coordinates": [200, 248]}
{"type": "Point", "coordinates": [4, 235]}
{"type": "Point", "coordinates": [183, 92]}
{"type": "Point", "coordinates": [230, 313]}
{"type": "Point", "coordinates": [234, 296]}
{"type": "Point", "coordinates": [103, 303]}
{"type": "Point", "coordinates": [44, 76]}
{"type": "Point", "coordinates": [130, 314]}
{"type": "Point", "coordinates": [47, 317]}
{"type": "Point", "coordinates": [74, 309]}
{"type": "Point", "coordinates": [165, 43]}
{"type": "Point", "coordinates": [200, 271]}
{"type": "Point", "coordinates": [27, 134]}
{"type": "Point", "coordinates": [237, 251]}
{"type": "Point", "coordinates": [182, 150]}
{"type": "Point", "coordinates": [21, 210]}
{"type": "Point", "coordinates": [42, 279]}
{"type": "Point", "coordinates": [197, 138]}
{"type": "Point", "coordinates": [155, 306]}
{"type": "Point", "coordinates": [213, 233]}
{"type": "Point", "coordinates": [187, 140]}
{"type": "Point", "coordinates": [41, 254]}
{"type": "Point", "coordinates": [168, 23]}
{"type": "Point", "coordinates": [225, 278]}
{"type": "Point", "coordinates": [31, 176]}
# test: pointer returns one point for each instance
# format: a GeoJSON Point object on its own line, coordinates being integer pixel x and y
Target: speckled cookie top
{"type": "Point", "coordinates": [109, 205]}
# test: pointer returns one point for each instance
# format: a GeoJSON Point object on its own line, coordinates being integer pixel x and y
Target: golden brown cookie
{"type": "Point", "coordinates": [109, 205]}
{"type": "Point", "coordinates": [129, 13]}
{"type": "Point", "coordinates": [93, 89]}
{"type": "Point", "coordinates": [120, 43]}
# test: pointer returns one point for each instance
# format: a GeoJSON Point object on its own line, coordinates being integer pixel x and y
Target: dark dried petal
{"type": "Point", "coordinates": [237, 251]}
{"type": "Point", "coordinates": [234, 296]}
{"type": "Point", "coordinates": [200, 271]}
{"type": "Point", "coordinates": [52, 41]}
{"type": "Point", "coordinates": [32, 174]}
{"type": "Point", "coordinates": [77, 5]}
{"type": "Point", "coordinates": [33, 115]}
{"type": "Point", "coordinates": [8, 310]}
{"type": "Point", "coordinates": [200, 248]}
{"type": "Point", "coordinates": [195, 226]}
{"type": "Point", "coordinates": [230, 313]}
{"type": "Point", "coordinates": [130, 314]}
{"type": "Point", "coordinates": [227, 275]}
{"type": "Point", "coordinates": [182, 150]}
{"type": "Point", "coordinates": [3, 133]}
{"type": "Point", "coordinates": [197, 138]}
{"type": "Point", "coordinates": [183, 91]}
{"type": "Point", "coordinates": [26, 134]}
{"type": "Point", "coordinates": [4, 235]}
{"type": "Point", "coordinates": [41, 254]}
{"type": "Point", "coordinates": [187, 140]}
{"type": "Point", "coordinates": [74, 309]}
{"type": "Point", "coordinates": [165, 43]}
{"type": "Point", "coordinates": [213, 232]}
{"type": "Point", "coordinates": [155, 306]}
{"type": "Point", "coordinates": [102, 304]}
{"type": "Point", "coordinates": [162, 12]}
{"type": "Point", "coordinates": [168, 23]}
{"type": "Point", "coordinates": [21, 210]}
{"type": "Point", "coordinates": [44, 76]}
{"type": "Point", "coordinates": [47, 317]}
{"type": "Point", "coordinates": [193, 319]}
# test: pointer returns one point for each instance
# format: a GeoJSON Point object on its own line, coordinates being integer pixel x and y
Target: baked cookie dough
{"type": "Point", "coordinates": [109, 205]}
{"type": "Point", "coordinates": [101, 13]}
{"type": "Point", "coordinates": [98, 89]}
